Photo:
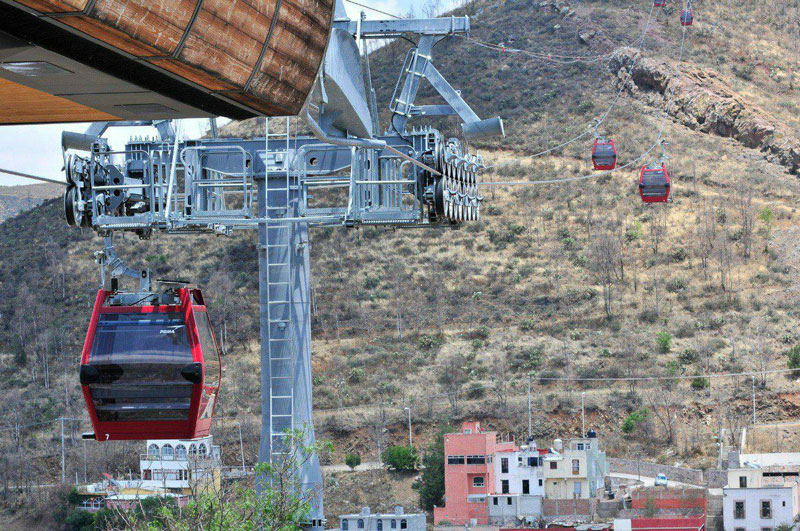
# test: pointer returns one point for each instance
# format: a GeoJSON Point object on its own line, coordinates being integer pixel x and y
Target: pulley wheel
{"type": "Point", "coordinates": [73, 215]}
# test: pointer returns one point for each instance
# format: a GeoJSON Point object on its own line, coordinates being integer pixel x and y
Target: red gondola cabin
{"type": "Point", "coordinates": [604, 154]}
{"type": "Point", "coordinates": [659, 3]}
{"type": "Point", "coordinates": [150, 367]}
{"type": "Point", "coordinates": [687, 17]}
{"type": "Point", "coordinates": [654, 184]}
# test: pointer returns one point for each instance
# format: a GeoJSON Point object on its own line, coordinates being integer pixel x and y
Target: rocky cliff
{"type": "Point", "coordinates": [704, 102]}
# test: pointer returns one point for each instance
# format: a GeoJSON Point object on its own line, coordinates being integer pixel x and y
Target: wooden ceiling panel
{"type": "Point", "coordinates": [23, 105]}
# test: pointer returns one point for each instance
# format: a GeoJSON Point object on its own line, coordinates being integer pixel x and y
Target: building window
{"type": "Point", "coordinates": [742, 482]}
{"type": "Point", "coordinates": [578, 489]}
{"type": "Point", "coordinates": [148, 474]}
{"type": "Point", "coordinates": [766, 509]}
{"type": "Point", "coordinates": [580, 446]}
{"type": "Point", "coordinates": [455, 459]}
{"type": "Point", "coordinates": [403, 524]}
{"type": "Point", "coordinates": [380, 525]}
{"type": "Point", "coordinates": [576, 467]}
{"type": "Point", "coordinates": [345, 525]}
{"type": "Point", "coordinates": [526, 486]}
{"type": "Point", "coordinates": [152, 450]}
{"type": "Point", "coordinates": [476, 459]}
{"type": "Point", "coordinates": [393, 524]}
{"type": "Point", "coordinates": [494, 500]}
{"type": "Point", "coordinates": [166, 451]}
{"type": "Point", "coordinates": [553, 465]}
{"type": "Point", "coordinates": [532, 461]}
{"type": "Point", "coordinates": [540, 482]}
{"type": "Point", "coordinates": [588, 446]}
{"type": "Point", "coordinates": [766, 529]}
{"type": "Point", "coordinates": [467, 431]}
{"type": "Point", "coordinates": [180, 452]}
{"type": "Point", "coordinates": [738, 510]}
{"type": "Point", "coordinates": [508, 500]}
{"type": "Point", "coordinates": [192, 450]}
{"type": "Point", "coordinates": [519, 460]}
{"type": "Point", "coordinates": [477, 481]}
{"type": "Point", "coordinates": [504, 465]}
{"type": "Point", "coordinates": [504, 487]}
{"type": "Point", "coordinates": [360, 523]}
{"type": "Point", "coordinates": [740, 529]}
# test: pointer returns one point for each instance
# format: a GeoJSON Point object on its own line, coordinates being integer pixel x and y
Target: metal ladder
{"type": "Point", "coordinates": [282, 341]}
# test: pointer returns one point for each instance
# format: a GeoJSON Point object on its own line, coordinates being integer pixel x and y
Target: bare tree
{"type": "Point", "coordinates": [743, 199]}
{"type": "Point", "coordinates": [706, 228]}
{"type": "Point", "coordinates": [724, 259]}
{"type": "Point", "coordinates": [453, 376]}
{"type": "Point", "coordinates": [605, 253]}
{"type": "Point", "coordinates": [658, 228]}
{"type": "Point", "coordinates": [664, 402]}
{"type": "Point", "coordinates": [501, 380]}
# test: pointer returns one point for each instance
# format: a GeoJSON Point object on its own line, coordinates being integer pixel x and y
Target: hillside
{"type": "Point", "coordinates": [566, 284]}
{"type": "Point", "coordinates": [16, 199]}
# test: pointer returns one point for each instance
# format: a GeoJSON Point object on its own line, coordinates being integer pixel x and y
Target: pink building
{"type": "Point", "coordinates": [469, 474]}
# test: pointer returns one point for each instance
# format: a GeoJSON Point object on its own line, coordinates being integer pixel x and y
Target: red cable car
{"type": "Point", "coordinates": [687, 17]}
{"type": "Point", "coordinates": [604, 154]}
{"type": "Point", "coordinates": [654, 184]}
{"type": "Point", "coordinates": [150, 367]}
{"type": "Point", "coordinates": [659, 3]}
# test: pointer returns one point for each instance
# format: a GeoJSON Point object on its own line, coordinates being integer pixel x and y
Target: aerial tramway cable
{"type": "Point", "coordinates": [656, 143]}
{"type": "Point", "coordinates": [595, 125]}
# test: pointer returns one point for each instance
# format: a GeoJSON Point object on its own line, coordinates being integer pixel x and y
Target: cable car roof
{"type": "Point", "coordinates": [81, 60]}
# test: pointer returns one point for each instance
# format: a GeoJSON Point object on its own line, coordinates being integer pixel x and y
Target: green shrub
{"type": "Point", "coordinates": [79, 520]}
{"type": "Point", "coordinates": [688, 356]}
{"type": "Point", "coordinates": [527, 325]}
{"type": "Point", "coordinates": [793, 360]}
{"type": "Point", "coordinates": [634, 420]}
{"type": "Point", "coordinates": [664, 342]}
{"type": "Point", "coordinates": [352, 460]}
{"type": "Point", "coordinates": [357, 375]}
{"type": "Point", "coordinates": [699, 383]}
{"type": "Point", "coordinates": [431, 483]}
{"type": "Point", "coordinates": [400, 458]}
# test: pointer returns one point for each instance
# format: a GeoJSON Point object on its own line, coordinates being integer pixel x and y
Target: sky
{"type": "Point", "coordinates": [36, 149]}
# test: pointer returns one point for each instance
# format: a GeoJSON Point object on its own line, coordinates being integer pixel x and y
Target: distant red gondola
{"type": "Point", "coordinates": [150, 367]}
{"type": "Point", "coordinates": [659, 3]}
{"type": "Point", "coordinates": [604, 154]}
{"type": "Point", "coordinates": [687, 17]}
{"type": "Point", "coordinates": [654, 184]}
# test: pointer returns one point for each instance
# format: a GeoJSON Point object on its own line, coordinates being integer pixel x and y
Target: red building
{"type": "Point", "coordinates": [468, 474]}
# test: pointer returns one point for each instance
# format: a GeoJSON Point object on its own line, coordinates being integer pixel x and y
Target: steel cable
{"type": "Point", "coordinates": [655, 144]}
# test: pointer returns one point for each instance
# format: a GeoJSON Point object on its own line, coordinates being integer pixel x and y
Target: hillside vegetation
{"type": "Point", "coordinates": [562, 285]}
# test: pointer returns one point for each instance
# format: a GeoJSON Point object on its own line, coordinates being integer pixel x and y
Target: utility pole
{"type": "Point", "coordinates": [754, 400]}
{"type": "Point", "coordinates": [63, 469]}
{"type": "Point", "coordinates": [530, 423]}
{"type": "Point", "coordinates": [241, 448]}
{"type": "Point", "coordinates": [583, 413]}
{"type": "Point", "coordinates": [410, 439]}
{"type": "Point", "coordinates": [84, 461]}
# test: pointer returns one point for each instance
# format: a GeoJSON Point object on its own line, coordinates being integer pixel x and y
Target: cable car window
{"type": "Point", "coordinates": [145, 337]}
{"type": "Point", "coordinates": [209, 345]}
{"type": "Point", "coordinates": [139, 358]}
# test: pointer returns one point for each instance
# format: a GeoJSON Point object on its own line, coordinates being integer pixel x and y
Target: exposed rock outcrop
{"type": "Point", "coordinates": [706, 103]}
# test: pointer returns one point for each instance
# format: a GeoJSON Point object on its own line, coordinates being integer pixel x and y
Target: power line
{"type": "Point", "coordinates": [675, 377]}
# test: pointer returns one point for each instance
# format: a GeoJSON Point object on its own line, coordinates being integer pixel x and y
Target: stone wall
{"type": "Point", "coordinates": [573, 509]}
{"type": "Point", "coordinates": [716, 479]}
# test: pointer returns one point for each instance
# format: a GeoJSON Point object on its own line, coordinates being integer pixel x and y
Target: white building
{"type": "Point", "coordinates": [759, 508]}
{"type": "Point", "coordinates": [396, 521]}
{"type": "Point", "coordinates": [518, 486]}
{"type": "Point", "coordinates": [519, 471]}
{"type": "Point", "coordinates": [575, 470]}
{"type": "Point", "coordinates": [180, 465]}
